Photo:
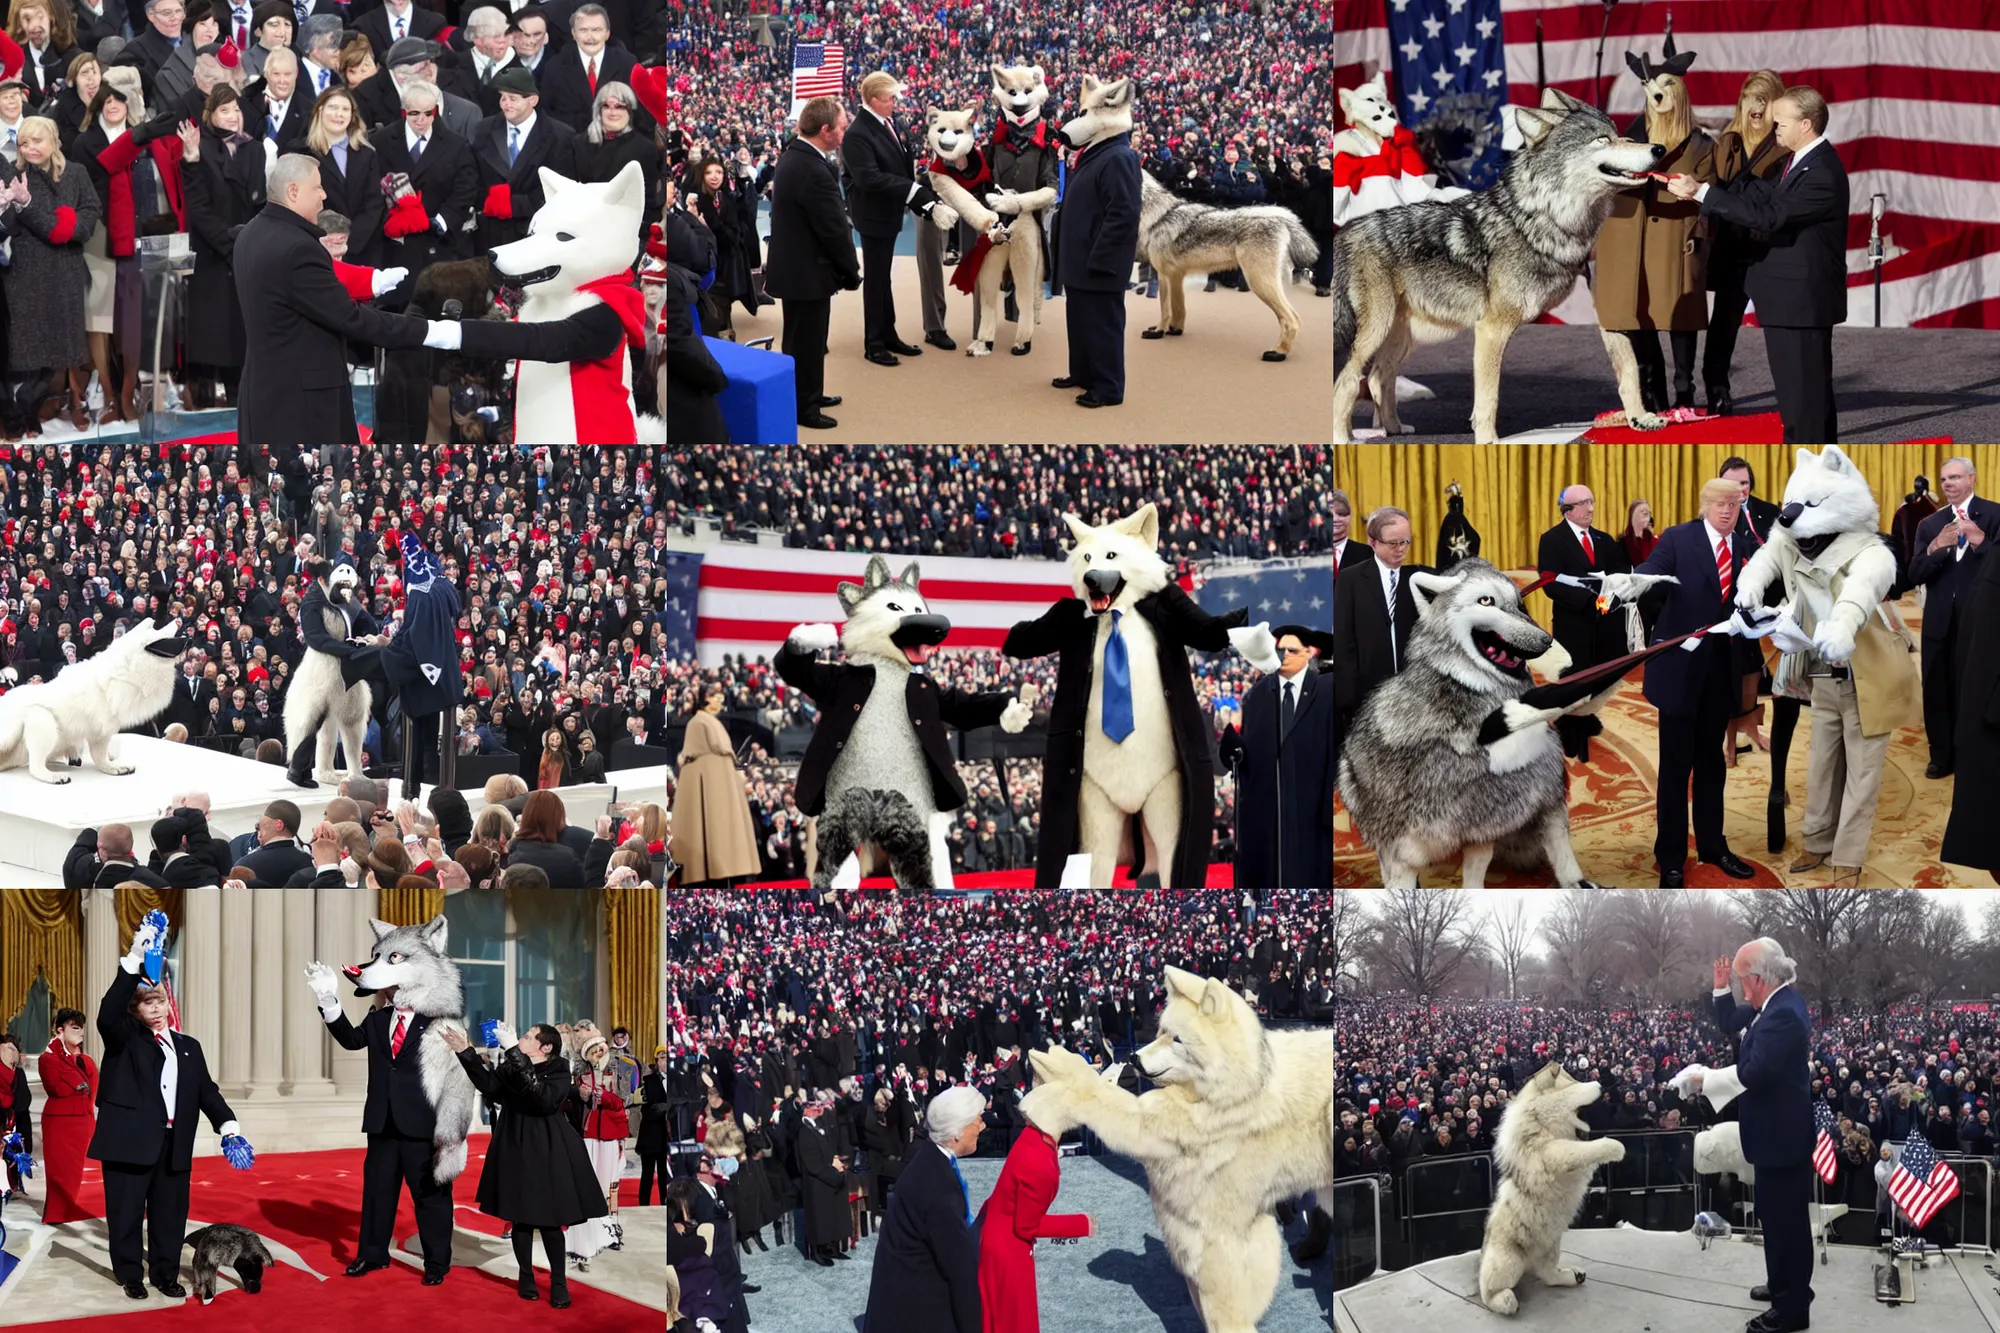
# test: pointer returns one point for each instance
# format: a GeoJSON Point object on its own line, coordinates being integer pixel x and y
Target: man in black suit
{"type": "Point", "coordinates": [156, 37]}
{"type": "Point", "coordinates": [1369, 638]}
{"type": "Point", "coordinates": [1290, 748]}
{"type": "Point", "coordinates": [278, 855]}
{"type": "Point", "coordinates": [485, 50]}
{"type": "Point", "coordinates": [706, 1205]}
{"type": "Point", "coordinates": [1800, 281]}
{"type": "Point", "coordinates": [1575, 546]}
{"type": "Point", "coordinates": [1756, 520]}
{"type": "Point", "coordinates": [193, 693]}
{"type": "Point", "coordinates": [297, 320]}
{"type": "Point", "coordinates": [927, 1256]}
{"type": "Point", "coordinates": [508, 149]}
{"type": "Point", "coordinates": [398, 1119]}
{"type": "Point", "coordinates": [635, 24]}
{"type": "Point", "coordinates": [569, 82]}
{"type": "Point", "coordinates": [811, 255]}
{"type": "Point", "coordinates": [277, 112]}
{"type": "Point", "coordinates": [43, 64]}
{"type": "Point", "coordinates": [439, 165]}
{"type": "Point", "coordinates": [1346, 551]}
{"type": "Point", "coordinates": [1097, 240]}
{"type": "Point", "coordinates": [881, 184]}
{"type": "Point", "coordinates": [103, 859]}
{"type": "Point", "coordinates": [393, 20]}
{"type": "Point", "coordinates": [1696, 691]}
{"type": "Point", "coordinates": [1951, 546]}
{"type": "Point", "coordinates": [153, 1089]}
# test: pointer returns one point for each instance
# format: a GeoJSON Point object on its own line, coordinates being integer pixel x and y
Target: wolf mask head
{"type": "Point", "coordinates": [888, 619]}
{"type": "Point", "coordinates": [1825, 496]}
{"type": "Point", "coordinates": [413, 959]}
{"type": "Point", "coordinates": [950, 133]}
{"type": "Point", "coordinates": [340, 581]}
{"type": "Point", "coordinates": [1472, 627]}
{"type": "Point", "coordinates": [1105, 111]}
{"type": "Point", "coordinates": [1112, 567]}
{"type": "Point", "coordinates": [580, 233]}
{"type": "Point", "coordinates": [1210, 1041]}
{"type": "Point", "coordinates": [1369, 109]}
{"type": "Point", "coordinates": [1571, 150]}
{"type": "Point", "coordinates": [1020, 90]}
{"type": "Point", "coordinates": [1548, 1107]}
{"type": "Point", "coordinates": [158, 639]}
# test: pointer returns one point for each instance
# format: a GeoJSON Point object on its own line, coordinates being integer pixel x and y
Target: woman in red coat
{"type": "Point", "coordinates": [69, 1081]}
{"type": "Point", "coordinates": [1015, 1217]}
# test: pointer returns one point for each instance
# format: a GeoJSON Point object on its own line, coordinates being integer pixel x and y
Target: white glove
{"type": "Point", "coordinates": [443, 227]}
{"type": "Point", "coordinates": [1254, 644]}
{"type": "Point", "coordinates": [389, 279]}
{"type": "Point", "coordinates": [144, 938]}
{"type": "Point", "coordinates": [1020, 712]}
{"type": "Point", "coordinates": [445, 335]}
{"type": "Point", "coordinates": [1834, 641]}
{"type": "Point", "coordinates": [325, 983]}
{"type": "Point", "coordinates": [1004, 201]}
{"type": "Point", "coordinates": [1788, 636]}
{"type": "Point", "coordinates": [945, 216]}
{"type": "Point", "coordinates": [506, 1034]}
{"type": "Point", "coordinates": [1624, 587]}
{"type": "Point", "coordinates": [814, 638]}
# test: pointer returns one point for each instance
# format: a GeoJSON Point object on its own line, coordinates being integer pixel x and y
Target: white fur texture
{"type": "Point", "coordinates": [815, 638]}
{"type": "Point", "coordinates": [1238, 1124]}
{"type": "Point", "coordinates": [1834, 500]}
{"type": "Point", "coordinates": [1017, 249]}
{"type": "Point", "coordinates": [1104, 111]}
{"type": "Point", "coordinates": [1544, 1171]}
{"type": "Point", "coordinates": [318, 690]}
{"type": "Point", "coordinates": [84, 708]}
{"type": "Point", "coordinates": [601, 223]}
{"type": "Point", "coordinates": [1254, 644]}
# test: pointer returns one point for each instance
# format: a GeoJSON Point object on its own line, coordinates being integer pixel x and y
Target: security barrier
{"type": "Point", "coordinates": [1357, 1230]}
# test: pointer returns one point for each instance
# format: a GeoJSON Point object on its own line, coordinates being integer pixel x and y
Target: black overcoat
{"type": "Point", "coordinates": [811, 255]}
{"type": "Point", "coordinates": [1295, 776]}
{"type": "Point", "coordinates": [825, 1188]}
{"type": "Point", "coordinates": [1069, 629]}
{"type": "Point", "coordinates": [131, 1119]}
{"type": "Point", "coordinates": [223, 191]}
{"type": "Point", "coordinates": [537, 1173]}
{"type": "Point", "coordinates": [926, 1257]}
{"type": "Point", "coordinates": [1968, 837]}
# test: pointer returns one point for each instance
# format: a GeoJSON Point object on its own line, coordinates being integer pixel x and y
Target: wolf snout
{"type": "Point", "coordinates": [1658, 151]}
{"type": "Point", "coordinates": [917, 631]}
{"type": "Point", "coordinates": [167, 647]}
{"type": "Point", "coordinates": [1103, 582]}
{"type": "Point", "coordinates": [1790, 513]}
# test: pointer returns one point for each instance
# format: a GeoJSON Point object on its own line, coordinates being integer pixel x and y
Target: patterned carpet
{"type": "Point", "coordinates": [1612, 801]}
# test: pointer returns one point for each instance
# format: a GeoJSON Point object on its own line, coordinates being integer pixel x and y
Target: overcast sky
{"type": "Point", "coordinates": [1537, 902]}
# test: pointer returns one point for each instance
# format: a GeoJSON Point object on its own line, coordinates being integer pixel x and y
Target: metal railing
{"type": "Point", "coordinates": [1351, 1264]}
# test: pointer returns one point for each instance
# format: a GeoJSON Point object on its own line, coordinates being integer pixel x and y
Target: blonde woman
{"type": "Point", "coordinates": [1747, 147]}
{"type": "Point", "coordinates": [349, 171]}
{"type": "Point", "coordinates": [56, 210]}
{"type": "Point", "coordinates": [357, 62]}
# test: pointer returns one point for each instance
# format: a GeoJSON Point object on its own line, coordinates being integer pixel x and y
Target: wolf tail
{"type": "Point", "coordinates": [1305, 250]}
{"type": "Point", "coordinates": [1345, 321]}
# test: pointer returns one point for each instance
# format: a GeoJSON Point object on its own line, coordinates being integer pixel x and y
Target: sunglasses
{"type": "Point", "coordinates": [413, 114]}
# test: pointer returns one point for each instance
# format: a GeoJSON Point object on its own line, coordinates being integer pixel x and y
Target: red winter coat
{"type": "Point", "coordinates": [68, 1121]}
{"type": "Point", "coordinates": [1010, 1222]}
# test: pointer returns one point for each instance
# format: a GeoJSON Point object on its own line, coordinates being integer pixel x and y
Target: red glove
{"type": "Point", "coordinates": [407, 217]}
{"type": "Point", "coordinates": [64, 228]}
{"type": "Point", "coordinates": [359, 280]}
{"type": "Point", "coordinates": [499, 202]}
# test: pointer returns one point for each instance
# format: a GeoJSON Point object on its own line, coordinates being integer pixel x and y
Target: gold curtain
{"type": "Point", "coordinates": [1511, 489]}
{"type": "Point", "coordinates": [409, 907]}
{"type": "Point", "coordinates": [134, 902]}
{"type": "Point", "coordinates": [41, 930]}
{"type": "Point", "coordinates": [632, 939]}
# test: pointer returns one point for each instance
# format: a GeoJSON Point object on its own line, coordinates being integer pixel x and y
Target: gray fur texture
{"type": "Point", "coordinates": [885, 818]}
{"type": "Point", "coordinates": [1419, 784]}
{"type": "Point", "coordinates": [1490, 262]}
{"type": "Point", "coordinates": [428, 981]}
{"type": "Point", "coordinates": [227, 1246]}
{"type": "Point", "coordinates": [1265, 241]}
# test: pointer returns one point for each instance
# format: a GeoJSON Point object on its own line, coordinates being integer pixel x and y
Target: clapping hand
{"type": "Point", "coordinates": [325, 846]}
{"type": "Point", "coordinates": [190, 141]}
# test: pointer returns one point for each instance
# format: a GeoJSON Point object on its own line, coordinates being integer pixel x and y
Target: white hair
{"type": "Point", "coordinates": [951, 1111]}
{"type": "Point", "coordinates": [1965, 463]}
{"type": "Point", "coordinates": [484, 22]}
{"type": "Point", "coordinates": [1765, 957]}
{"type": "Point", "coordinates": [420, 88]}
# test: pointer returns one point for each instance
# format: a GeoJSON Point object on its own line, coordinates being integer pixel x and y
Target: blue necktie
{"type": "Point", "coordinates": [513, 144]}
{"type": "Point", "coordinates": [1117, 719]}
{"type": "Point", "coordinates": [961, 1188]}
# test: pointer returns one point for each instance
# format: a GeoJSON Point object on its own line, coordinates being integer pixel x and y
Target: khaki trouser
{"type": "Point", "coordinates": [930, 274]}
{"type": "Point", "coordinates": [1843, 775]}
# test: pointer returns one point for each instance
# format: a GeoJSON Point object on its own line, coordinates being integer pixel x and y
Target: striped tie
{"type": "Point", "coordinates": [1723, 568]}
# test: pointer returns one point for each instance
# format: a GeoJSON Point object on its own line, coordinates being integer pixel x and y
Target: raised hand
{"type": "Point", "coordinates": [1723, 968]}
{"type": "Point", "coordinates": [325, 983]}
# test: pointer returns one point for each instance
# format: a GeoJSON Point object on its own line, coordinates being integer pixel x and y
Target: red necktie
{"type": "Point", "coordinates": [1336, 562]}
{"type": "Point", "coordinates": [1723, 567]}
{"type": "Point", "coordinates": [590, 66]}
{"type": "Point", "coordinates": [1788, 168]}
{"type": "Point", "coordinates": [396, 1041]}
{"type": "Point", "coordinates": [1588, 554]}
{"type": "Point", "coordinates": [242, 38]}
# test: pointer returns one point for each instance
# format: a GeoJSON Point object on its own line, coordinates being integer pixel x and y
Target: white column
{"type": "Point", "coordinates": [343, 917]}
{"type": "Point", "coordinates": [304, 1030]}
{"type": "Point", "coordinates": [267, 968]}
{"type": "Point", "coordinates": [102, 948]}
{"type": "Point", "coordinates": [200, 981]}
{"type": "Point", "coordinates": [231, 1059]}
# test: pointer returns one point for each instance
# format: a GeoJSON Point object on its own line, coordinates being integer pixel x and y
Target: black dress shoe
{"type": "Point", "coordinates": [136, 1290]}
{"type": "Point", "coordinates": [817, 420]}
{"type": "Point", "coordinates": [360, 1266]}
{"type": "Point", "coordinates": [905, 349]}
{"type": "Point", "coordinates": [1089, 398]}
{"type": "Point", "coordinates": [433, 1279]}
{"type": "Point", "coordinates": [1760, 1292]}
{"type": "Point", "coordinates": [1937, 770]}
{"type": "Point", "coordinates": [822, 1261]}
{"type": "Point", "coordinates": [1673, 879]}
{"type": "Point", "coordinates": [829, 400]}
{"type": "Point", "coordinates": [1771, 1322]}
{"type": "Point", "coordinates": [527, 1292]}
{"type": "Point", "coordinates": [842, 1255]}
{"type": "Point", "coordinates": [1065, 382]}
{"type": "Point", "coordinates": [559, 1298]}
{"type": "Point", "coordinates": [173, 1289]}
{"type": "Point", "coordinates": [940, 338]}
{"type": "Point", "coordinates": [1719, 401]}
{"type": "Point", "coordinates": [749, 1289]}
{"type": "Point", "coordinates": [1732, 865]}
{"type": "Point", "coordinates": [883, 357]}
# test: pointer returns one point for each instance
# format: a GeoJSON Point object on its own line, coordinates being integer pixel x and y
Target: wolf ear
{"type": "Point", "coordinates": [628, 188]}
{"type": "Point", "coordinates": [910, 574]}
{"type": "Point", "coordinates": [437, 933]}
{"type": "Point", "coordinates": [1122, 92]}
{"type": "Point", "coordinates": [850, 595]}
{"type": "Point", "coordinates": [971, 115]}
{"type": "Point", "coordinates": [1555, 99]}
{"type": "Point", "coordinates": [1535, 125]}
{"type": "Point", "coordinates": [1212, 997]}
{"type": "Point", "coordinates": [999, 76]}
{"type": "Point", "coordinates": [1090, 84]}
{"type": "Point", "coordinates": [1637, 65]}
{"type": "Point", "coordinates": [1428, 586]}
{"type": "Point", "coordinates": [1805, 458]}
{"type": "Point", "coordinates": [931, 114]}
{"type": "Point", "coordinates": [1185, 984]}
{"type": "Point", "coordinates": [1833, 460]}
{"type": "Point", "coordinates": [1144, 524]}
{"type": "Point", "coordinates": [552, 184]}
{"type": "Point", "coordinates": [1078, 529]}
{"type": "Point", "coordinates": [380, 928]}
{"type": "Point", "coordinates": [1678, 65]}
{"type": "Point", "coordinates": [1041, 75]}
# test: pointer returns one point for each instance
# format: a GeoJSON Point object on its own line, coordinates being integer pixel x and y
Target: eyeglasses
{"type": "Point", "coordinates": [1292, 652]}
{"type": "Point", "coordinates": [414, 114]}
{"type": "Point", "coordinates": [1395, 546]}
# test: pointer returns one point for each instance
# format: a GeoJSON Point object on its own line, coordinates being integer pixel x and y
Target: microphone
{"type": "Point", "coordinates": [1708, 1227]}
{"type": "Point", "coordinates": [453, 309]}
{"type": "Point", "coordinates": [1877, 202]}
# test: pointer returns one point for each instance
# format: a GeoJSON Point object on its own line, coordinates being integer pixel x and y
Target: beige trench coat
{"type": "Point", "coordinates": [713, 837]}
{"type": "Point", "coordinates": [1652, 255]}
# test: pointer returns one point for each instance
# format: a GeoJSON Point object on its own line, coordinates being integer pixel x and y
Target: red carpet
{"type": "Point", "coordinates": [229, 437]}
{"type": "Point", "coordinates": [1761, 428]}
{"type": "Point", "coordinates": [1219, 877]}
{"type": "Point", "coordinates": [312, 1202]}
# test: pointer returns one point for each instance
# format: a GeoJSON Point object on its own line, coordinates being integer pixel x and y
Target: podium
{"type": "Point", "coordinates": [164, 265]}
{"type": "Point", "coordinates": [760, 406]}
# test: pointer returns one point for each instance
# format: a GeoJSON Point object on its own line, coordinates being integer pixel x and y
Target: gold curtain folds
{"type": "Point", "coordinates": [632, 938]}
{"type": "Point", "coordinates": [1510, 489]}
{"type": "Point", "coordinates": [136, 901]}
{"type": "Point", "coordinates": [409, 907]}
{"type": "Point", "coordinates": [41, 930]}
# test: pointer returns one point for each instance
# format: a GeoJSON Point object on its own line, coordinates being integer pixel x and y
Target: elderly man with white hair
{"type": "Point", "coordinates": [1772, 1078]}
{"type": "Point", "coordinates": [927, 1257]}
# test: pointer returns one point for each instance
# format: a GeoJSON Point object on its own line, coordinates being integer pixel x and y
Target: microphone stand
{"type": "Point", "coordinates": [1597, 75]}
{"type": "Point", "coordinates": [1875, 249]}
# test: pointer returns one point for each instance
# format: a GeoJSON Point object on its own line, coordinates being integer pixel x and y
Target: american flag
{"type": "Point", "coordinates": [1914, 89]}
{"type": "Point", "coordinates": [1823, 1148]}
{"type": "Point", "coordinates": [819, 69]}
{"type": "Point", "coordinates": [1922, 1184]}
{"type": "Point", "coordinates": [1284, 592]}
{"type": "Point", "coordinates": [1451, 77]}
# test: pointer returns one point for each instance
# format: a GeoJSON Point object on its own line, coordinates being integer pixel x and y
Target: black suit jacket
{"type": "Point", "coordinates": [1354, 552]}
{"type": "Point", "coordinates": [395, 1087]}
{"type": "Point", "coordinates": [1587, 636]}
{"type": "Point", "coordinates": [374, 25]}
{"type": "Point", "coordinates": [131, 1118]}
{"type": "Point", "coordinates": [1946, 576]}
{"type": "Point", "coordinates": [275, 863]}
{"type": "Point", "coordinates": [926, 1259]}
{"type": "Point", "coordinates": [1800, 281]}
{"type": "Point", "coordinates": [1363, 652]}
{"type": "Point", "coordinates": [635, 24]}
{"type": "Point", "coordinates": [298, 117]}
{"type": "Point", "coordinates": [1674, 679]}
{"type": "Point", "coordinates": [43, 75]}
{"type": "Point", "coordinates": [152, 51]}
{"type": "Point", "coordinates": [566, 92]}
{"type": "Point", "coordinates": [879, 174]}
{"type": "Point", "coordinates": [297, 320]}
{"type": "Point", "coordinates": [811, 255]}
{"type": "Point", "coordinates": [549, 143]}
{"type": "Point", "coordinates": [1777, 1123]}
{"type": "Point", "coordinates": [449, 184]}
{"type": "Point", "coordinates": [1097, 237]}
{"type": "Point", "coordinates": [191, 709]}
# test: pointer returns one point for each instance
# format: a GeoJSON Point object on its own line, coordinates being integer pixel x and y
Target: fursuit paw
{"type": "Point", "coordinates": [1503, 1302]}
{"type": "Point", "coordinates": [325, 983]}
{"type": "Point", "coordinates": [1018, 714]}
{"type": "Point", "coordinates": [1649, 421]}
{"type": "Point", "coordinates": [1254, 644]}
{"type": "Point", "coordinates": [979, 348]}
{"type": "Point", "coordinates": [330, 776]}
{"type": "Point", "coordinates": [1614, 1151]}
{"type": "Point", "coordinates": [1062, 1066]}
{"type": "Point", "coordinates": [1835, 643]}
{"type": "Point", "coordinates": [116, 770]}
{"type": "Point", "coordinates": [1004, 201]}
{"type": "Point", "coordinates": [1566, 1277]}
{"type": "Point", "coordinates": [53, 779]}
{"type": "Point", "coordinates": [945, 216]}
{"type": "Point", "coordinates": [814, 638]}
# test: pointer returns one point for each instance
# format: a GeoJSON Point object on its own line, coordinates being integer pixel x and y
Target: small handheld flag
{"type": "Point", "coordinates": [1823, 1151]}
{"type": "Point", "coordinates": [1922, 1184]}
{"type": "Point", "coordinates": [489, 1032]}
{"type": "Point", "coordinates": [156, 951]}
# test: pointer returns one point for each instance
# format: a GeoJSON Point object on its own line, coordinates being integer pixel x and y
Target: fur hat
{"type": "Point", "coordinates": [128, 83]}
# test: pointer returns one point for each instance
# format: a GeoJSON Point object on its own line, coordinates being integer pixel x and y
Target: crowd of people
{"type": "Point", "coordinates": [428, 119]}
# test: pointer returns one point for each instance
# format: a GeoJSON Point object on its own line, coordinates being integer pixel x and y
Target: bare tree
{"type": "Point", "coordinates": [1509, 941]}
{"type": "Point", "coordinates": [1653, 926]}
{"type": "Point", "coordinates": [1345, 927]}
{"type": "Point", "coordinates": [1939, 949]}
{"type": "Point", "coordinates": [1422, 937]}
{"type": "Point", "coordinates": [1581, 945]}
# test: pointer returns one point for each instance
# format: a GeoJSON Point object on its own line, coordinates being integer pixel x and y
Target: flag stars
{"type": "Point", "coordinates": [1486, 27]}
{"type": "Point", "coordinates": [1458, 6]}
{"type": "Point", "coordinates": [1433, 27]}
{"type": "Point", "coordinates": [1444, 78]}
{"type": "Point", "coordinates": [1466, 55]}
{"type": "Point", "coordinates": [1419, 100]}
{"type": "Point", "coordinates": [1493, 77]}
{"type": "Point", "coordinates": [1411, 50]}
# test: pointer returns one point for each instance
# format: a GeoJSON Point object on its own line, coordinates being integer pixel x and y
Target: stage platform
{"type": "Point", "coordinates": [1663, 1282]}
{"type": "Point", "coordinates": [39, 821]}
